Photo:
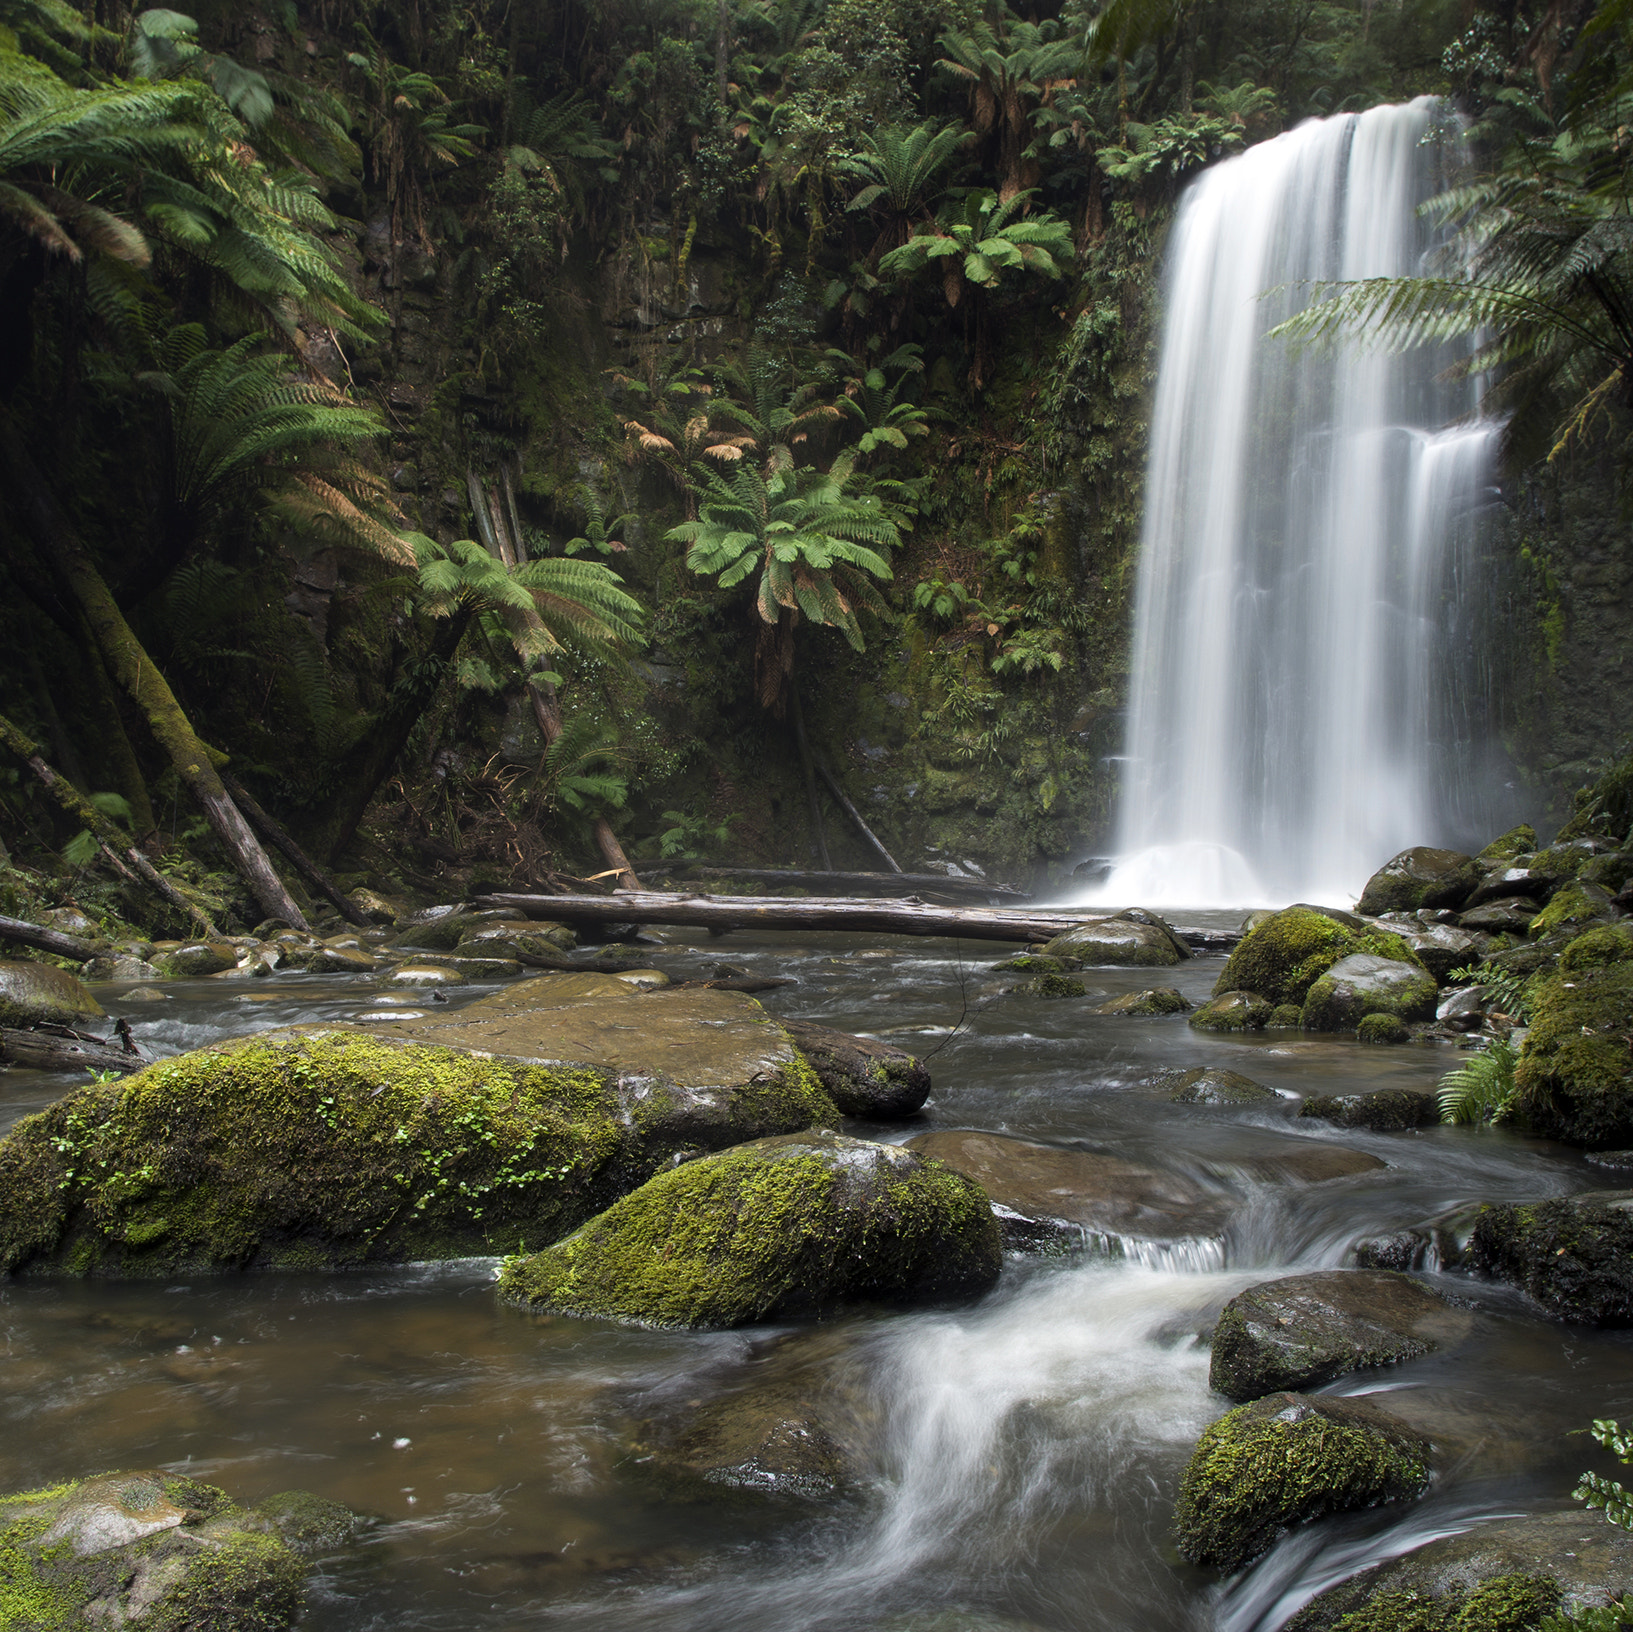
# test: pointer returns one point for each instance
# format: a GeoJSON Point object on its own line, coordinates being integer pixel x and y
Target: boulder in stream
{"type": "Point", "coordinates": [1137, 938]}
{"type": "Point", "coordinates": [796, 1225]}
{"type": "Point", "coordinates": [1304, 1330]}
{"type": "Point", "coordinates": [1233, 1011]}
{"type": "Point", "coordinates": [871, 1080]}
{"type": "Point", "coordinates": [324, 1147]}
{"type": "Point", "coordinates": [1420, 877]}
{"type": "Point", "coordinates": [151, 1549]}
{"type": "Point", "coordinates": [1284, 956]}
{"type": "Point", "coordinates": [1157, 1000]}
{"type": "Point", "coordinates": [36, 993]}
{"type": "Point", "coordinates": [1388, 1110]}
{"type": "Point", "coordinates": [1208, 1085]}
{"type": "Point", "coordinates": [1285, 1460]}
{"type": "Point", "coordinates": [196, 958]}
{"type": "Point", "coordinates": [1502, 1575]}
{"type": "Point", "coordinates": [1574, 1255]}
{"type": "Point", "coordinates": [1364, 983]}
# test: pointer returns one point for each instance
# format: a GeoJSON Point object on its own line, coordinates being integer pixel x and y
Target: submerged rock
{"type": "Point", "coordinates": [1499, 1576]}
{"type": "Point", "coordinates": [1305, 1330]}
{"type": "Point", "coordinates": [1363, 983]}
{"type": "Point", "coordinates": [151, 1549]}
{"type": "Point", "coordinates": [1233, 1011]}
{"type": "Point", "coordinates": [1283, 957]}
{"type": "Point", "coordinates": [789, 1226]}
{"type": "Point", "coordinates": [1262, 1157]}
{"type": "Point", "coordinates": [36, 993]}
{"type": "Point", "coordinates": [1420, 877]}
{"type": "Point", "coordinates": [1157, 1000]}
{"type": "Point", "coordinates": [1049, 1197]}
{"type": "Point", "coordinates": [1211, 1086]}
{"type": "Point", "coordinates": [1144, 942]}
{"type": "Point", "coordinates": [1382, 1028]}
{"type": "Point", "coordinates": [1386, 1111]}
{"type": "Point", "coordinates": [319, 1147]}
{"type": "Point", "coordinates": [1573, 1255]}
{"type": "Point", "coordinates": [1285, 1460]}
{"type": "Point", "coordinates": [872, 1080]}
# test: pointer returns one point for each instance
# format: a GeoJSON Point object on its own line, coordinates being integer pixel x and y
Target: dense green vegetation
{"type": "Point", "coordinates": [450, 422]}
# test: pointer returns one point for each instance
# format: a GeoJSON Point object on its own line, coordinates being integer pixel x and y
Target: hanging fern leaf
{"type": "Point", "coordinates": [1482, 1090]}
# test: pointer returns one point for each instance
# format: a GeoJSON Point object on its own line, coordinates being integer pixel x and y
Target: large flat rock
{"type": "Point", "coordinates": [1263, 1157]}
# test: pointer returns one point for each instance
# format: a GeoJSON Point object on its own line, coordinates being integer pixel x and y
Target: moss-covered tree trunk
{"type": "Point", "coordinates": [131, 668]}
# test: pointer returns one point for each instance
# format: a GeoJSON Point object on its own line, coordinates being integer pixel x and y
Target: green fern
{"type": "Point", "coordinates": [1503, 986]}
{"type": "Point", "coordinates": [1609, 1496]}
{"type": "Point", "coordinates": [1482, 1090]}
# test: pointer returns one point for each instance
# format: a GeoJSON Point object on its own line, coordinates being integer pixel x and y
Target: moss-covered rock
{"type": "Point", "coordinates": [1034, 963]}
{"type": "Point", "coordinates": [198, 958]}
{"type": "Point", "coordinates": [1597, 948]}
{"type": "Point", "coordinates": [1517, 841]}
{"type": "Point", "coordinates": [1233, 1011]}
{"type": "Point", "coordinates": [1362, 984]}
{"type": "Point", "coordinates": [1282, 958]}
{"type": "Point", "coordinates": [1157, 1000]}
{"type": "Point", "coordinates": [1126, 941]}
{"type": "Point", "coordinates": [872, 1080]}
{"type": "Point", "coordinates": [319, 1148]}
{"type": "Point", "coordinates": [1207, 1085]}
{"type": "Point", "coordinates": [32, 993]}
{"type": "Point", "coordinates": [1285, 1460]}
{"type": "Point", "coordinates": [1420, 877]}
{"type": "Point", "coordinates": [1305, 1330]}
{"type": "Point", "coordinates": [1574, 1080]}
{"type": "Point", "coordinates": [1056, 986]}
{"type": "Point", "coordinates": [1382, 1028]}
{"type": "Point", "coordinates": [1284, 1017]}
{"type": "Point", "coordinates": [1575, 906]}
{"type": "Point", "coordinates": [1489, 1578]}
{"type": "Point", "coordinates": [1386, 1111]}
{"type": "Point", "coordinates": [795, 1225]}
{"type": "Point", "coordinates": [149, 1550]}
{"type": "Point", "coordinates": [1573, 1255]}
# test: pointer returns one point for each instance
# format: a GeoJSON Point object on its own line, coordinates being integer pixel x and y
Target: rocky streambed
{"type": "Point", "coordinates": [991, 1427]}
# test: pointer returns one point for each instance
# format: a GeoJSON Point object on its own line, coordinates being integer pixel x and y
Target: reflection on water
{"type": "Point", "coordinates": [1031, 1444]}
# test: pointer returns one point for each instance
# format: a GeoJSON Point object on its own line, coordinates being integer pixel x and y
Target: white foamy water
{"type": "Point", "coordinates": [1305, 699]}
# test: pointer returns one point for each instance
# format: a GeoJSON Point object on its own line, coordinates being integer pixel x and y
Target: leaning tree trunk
{"type": "Point", "coordinates": [131, 668]}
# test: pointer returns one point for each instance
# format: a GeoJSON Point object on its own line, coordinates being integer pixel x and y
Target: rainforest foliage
{"type": "Point", "coordinates": [469, 427]}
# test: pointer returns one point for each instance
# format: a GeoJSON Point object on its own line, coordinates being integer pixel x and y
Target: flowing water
{"type": "Point", "coordinates": [1308, 691]}
{"type": "Point", "coordinates": [1028, 1446]}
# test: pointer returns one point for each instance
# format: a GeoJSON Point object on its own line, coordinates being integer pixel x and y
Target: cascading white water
{"type": "Point", "coordinates": [1299, 710]}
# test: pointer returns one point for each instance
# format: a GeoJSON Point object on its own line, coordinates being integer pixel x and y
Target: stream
{"type": "Point", "coordinates": [1029, 1445]}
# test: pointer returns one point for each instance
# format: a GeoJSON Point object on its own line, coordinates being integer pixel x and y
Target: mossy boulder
{"type": "Point", "coordinates": [1612, 871]}
{"type": "Point", "coordinates": [1517, 841]}
{"type": "Point", "coordinates": [1285, 1460]}
{"type": "Point", "coordinates": [1573, 1255]}
{"type": "Point", "coordinates": [1574, 1080]}
{"type": "Point", "coordinates": [36, 993]}
{"type": "Point", "coordinates": [1284, 1017]}
{"type": "Point", "coordinates": [1056, 986]}
{"type": "Point", "coordinates": [1382, 1028]}
{"type": "Point", "coordinates": [1157, 1000]}
{"type": "Point", "coordinates": [1364, 983]}
{"type": "Point", "coordinates": [1283, 957]}
{"type": "Point", "coordinates": [1233, 1011]}
{"type": "Point", "coordinates": [319, 1148]}
{"type": "Point", "coordinates": [1208, 1085]}
{"type": "Point", "coordinates": [1142, 942]}
{"type": "Point", "coordinates": [538, 945]}
{"type": "Point", "coordinates": [797, 1225]}
{"type": "Point", "coordinates": [1420, 877]}
{"type": "Point", "coordinates": [1492, 1577]}
{"type": "Point", "coordinates": [867, 1079]}
{"type": "Point", "coordinates": [1034, 963]}
{"type": "Point", "coordinates": [1388, 1110]}
{"type": "Point", "coordinates": [150, 1550]}
{"type": "Point", "coordinates": [1305, 1330]}
{"type": "Point", "coordinates": [196, 959]}
{"type": "Point", "coordinates": [1575, 906]}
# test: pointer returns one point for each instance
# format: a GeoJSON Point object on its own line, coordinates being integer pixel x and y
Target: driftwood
{"type": "Point", "coordinates": [274, 832]}
{"type": "Point", "coordinates": [868, 883]}
{"type": "Point", "coordinates": [855, 815]}
{"type": "Point", "coordinates": [65, 1051]}
{"type": "Point", "coordinates": [48, 940]}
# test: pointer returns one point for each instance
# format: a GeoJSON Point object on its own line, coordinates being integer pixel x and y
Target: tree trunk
{"type": "Point", "coordinates": [116, 744]}
{"type": "Point", "coordinates": [856, 816]}
{"type": "Point", "coordinates": [294, 855]}
{"type": "Point", "coordinates": [135, 671]}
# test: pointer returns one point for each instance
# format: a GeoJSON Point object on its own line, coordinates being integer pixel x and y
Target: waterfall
{"type": "Point", "coordinates": [1303, 699]}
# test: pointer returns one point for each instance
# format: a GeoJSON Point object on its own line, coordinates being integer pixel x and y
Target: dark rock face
{"type": "Point", "coordinates": [1458, 1584]}
{"type": "Point", "coordinates": [1285, 1460]}
{"type": "Point", "coordinates": [1157, 1000]}
{"type": "Point", "coordinates": [34, 992]}
{"type": "Point", "coordinates": [1305, 1330]}
{"type": "Point", "coordinates": [1575, 1256]}
{"type": "Point", "coordinates": [1209, 1086]}
{"type": "Point", "coordinates": [1420, 877]}
{"type": "Point", "coordinates": [790, 1226]}
{"type": "Point", "coordinates": [1386, 1111]}
{"type": "Point", "coordinates": [875, 1081]}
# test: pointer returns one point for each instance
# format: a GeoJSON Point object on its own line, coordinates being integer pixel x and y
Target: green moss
{"type": "Point", "coordinates": [1575, 906]}
{"type": "Point", "coordinates": [1332, 1004]}
{"type": "Point", "coordinates": [1034, 963]}
{"type": "Point", "coordinates": [1284, 1016]}
{"type": "Point", "coordinates": [1382, 1028]}
{"type": "Point", "coordinates": [1284, 956]}
{"type": "Point", "coordinates": [1285, 1460]}
{"type": "Point", "coordinates": [1597, 949]}
{"type": "Point", "coordinates": [1233, 1011]}
{"type": "Point", "coordinates": [29, 1599]}
{"type": "Point", "coordinates": [1057, 986]}
{"type": "Point", "coordinates": [1505, 1603]}
{"type": "Point", "coordinates": [786, 1225]}
{"type": "Point", "coordinates": [1574, 1080]}
{"type": "Point", "coordinates": [1575, 1257]}
{"type": "Point", "coordinates": [1516, 842]}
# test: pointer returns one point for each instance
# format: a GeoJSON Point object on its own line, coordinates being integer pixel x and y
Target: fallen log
{"type": "Point", "coordinates": [274, 831]}
{"type": "Point", "coordinates": [884, 883]}
{"type": "Point", "coordinates": [47, 1051]}
{"type": "Point", "coordinates": [49, 940]}
{"type": "Point", "coordinates": [727, 912]}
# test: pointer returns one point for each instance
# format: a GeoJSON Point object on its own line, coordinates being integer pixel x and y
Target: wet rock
{"type": "Point", "coordinates": [1463, 1009]}
{"type": "Point", "coordinates": [424, 974]}
{"type": "Point", "coordinates": [1284, 1017]}
{"type": "Point", "coordinates": [1618, 1161]}
{"type": "Point", "coordinates": [1613, 872]}
{"type": "Point", "coordinates": [1486, 1579]}
{"type": "Point", "coordinates": [868, 1079]}
{"type": "Point", "coordinates": [1382, 1028]}
{"type": "Point", "coordinates": [1441, 948]}
{"type": "Point", "coordinates": [1516, 842]}
{"type": "Point", "coordinates": [1574, 1080]}
{"type": "Point", "coordinates": [1363, 983]}
{"type": "Point", "coordinates": [322, 1147]}
{"type": "Point", "coordinates": [1575, 906]}
{"type": "Point", "coordinates": [1286, 1460]}
{"type": "Point", "coordinates": [197, 958]}
{"type": "Point", "coordinates": [1420, 877]}
{"type": "Point", "coordinates": [1034, 963]}
{"type": "Point", "coordinates": [1051, 1197]}
{"type": "Point", "coordinates": [445, 930]}
{"type": "Point", "coordinates": [1305, 1330]}
{"type": "Point", "coordinates": [494, 968]}
{"type": "Point", "coordinates": [1573, 1255]}
{"type": "Point", "coordinates": [119, 966]}
{"type": "Point", "coordinates": [1386, 1111]}
{"type": "Point", "coordinates": [1284, 956]}
{"type": "Point", "coordinates": [1055, 986]}
{"type": "Point", "coordinates": [1261, 1157]}
{"type": "Point", "coordinates": [1520, 883]}
{"type": "Point", "coordinates": [1157, 1000]}
{"type": "Point", "coordinates": [1123, 941]}
{"type": "Point", "coordinates": [1211, 1086]}
{"type": "Point", "coordinates": [1508, 917]}
{"type": "Point", "coordinates": [791, 1426]}
{"type": "Point", "coordinates": [1233, 1011]}
{"type": "Point", "coordinates": [378, 909]}
{"type": "Point", "coordinates": [310, 1524]}
{"type": "Point", "coordinates": [539, 946]}
{"type": "Point", "coordinates": [36, 993]}
{"type": "Point", "coordinates": [144, 1549]}
{"type": "Point", "coordinates": [71, 921]}
{"type": "Point", "coordinates": [343, 960]}
{"type": "Point", "coordinates": [795, 1225]}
